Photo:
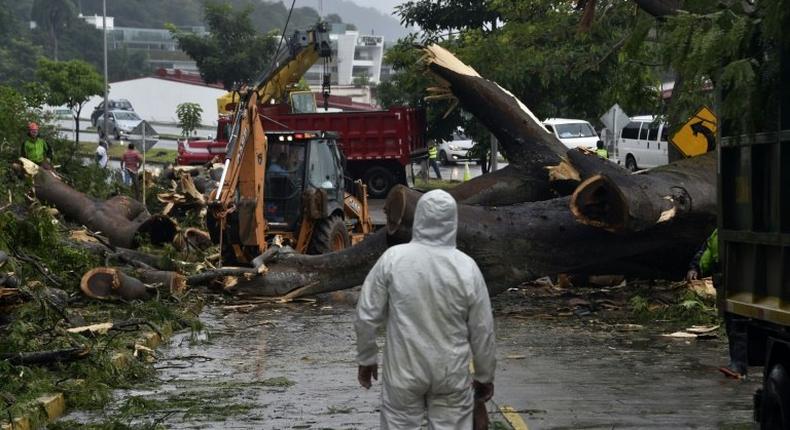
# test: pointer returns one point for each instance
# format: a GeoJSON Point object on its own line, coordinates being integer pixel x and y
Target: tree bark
{"type": "Point", "coordinates": [505, 186]}
{"type": "Point", "coordinates": [517, 243]}
{"type": "Point", "coordinates": [620, 202]}
{"type": "Point", "coordinates": [110, 283]}
{"type": "Point", "coordinates": [511, 244]}
{"type": "Point", "coordinates": [322, 273]}
{"type": "Point", "coordinates": [528, 146]}
{"type": "Point", "coordinates": [120, 218]}
{"type": "Point", "coordinates": [46, 357]}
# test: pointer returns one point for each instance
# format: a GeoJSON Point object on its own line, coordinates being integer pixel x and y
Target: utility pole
{"type": "Point", "coordinates": [106, 83]}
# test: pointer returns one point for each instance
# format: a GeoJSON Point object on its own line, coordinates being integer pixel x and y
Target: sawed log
{"type": "Point", "coordinates": [120, 218]}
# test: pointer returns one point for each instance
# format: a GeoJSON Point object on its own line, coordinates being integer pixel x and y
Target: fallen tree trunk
{"type": "Point", "coordinates": [110, 283]}
{"type": "Point", "coordinates": [511, 244]}
{"type": "Point", "coordinates": [528, 146]}
{"type": "Point", "coordinates": [517, 243]}
{"type": "Point", "coordinates": [46, 357]}
{"type": "Point", "coordinates": [326, 272]}
{"type": "Point", "coordinates": [623, 202]}
{"type": "Point", "coordinates": [506, 186]}
{"type": "Point", "coordinates": [120, 218]}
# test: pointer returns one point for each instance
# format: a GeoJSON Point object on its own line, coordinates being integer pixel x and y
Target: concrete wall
{"type": "Point", "coordinates": [155, 99]}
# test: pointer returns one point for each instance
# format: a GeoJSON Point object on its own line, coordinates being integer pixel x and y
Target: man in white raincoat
{"type": "Point", "coordinates": [434, 302]}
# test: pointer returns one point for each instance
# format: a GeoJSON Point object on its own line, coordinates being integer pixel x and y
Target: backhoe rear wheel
{"type": "Point", "coordinates": [329, 235]}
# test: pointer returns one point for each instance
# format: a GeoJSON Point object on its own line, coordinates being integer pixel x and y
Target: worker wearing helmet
{"type": "Point", "coordinates": [35, 148]}
{"type": "Point", "coordinates": [433, 301]}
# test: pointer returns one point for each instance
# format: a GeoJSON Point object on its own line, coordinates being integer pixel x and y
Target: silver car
{"type": "Point", "coordinates": [119, 123]}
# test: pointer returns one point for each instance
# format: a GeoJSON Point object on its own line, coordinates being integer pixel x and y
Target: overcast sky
{"type": "Point", "coordinates": [385, 6]}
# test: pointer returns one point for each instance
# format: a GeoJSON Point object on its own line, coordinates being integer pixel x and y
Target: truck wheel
{"type": "Point", "coordinates": [630, 163]}
{"type": "Point", "coordinates": [329, 235]}
{"type": "Point", "coordinates": [775, 400]}
{"type": "Point", "coordinates": [379, 181]}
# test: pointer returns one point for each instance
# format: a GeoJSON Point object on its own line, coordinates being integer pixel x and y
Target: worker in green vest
{"type": "Point", "coordinates": [601, 151]}
{"type": "Point", "coordinates": [433, 159]}
{"type": "Point", "coordinates": [35, 148]}
{"type": "Point", "coordinates": [706, 263]}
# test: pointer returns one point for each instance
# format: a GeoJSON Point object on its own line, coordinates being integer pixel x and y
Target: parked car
{"type": "Point", "coordinates": [119, 104]}
{"type": "Point", "coordinates": [61, 113]}
{"type": "Point", "coordinates": [643, 143]}
{"type": "Point", "coordinates": [453, 151]}
{"type": "Point", "coordinates": [573, 133]}
{"type": "Point", "coordinates": [119, 123]}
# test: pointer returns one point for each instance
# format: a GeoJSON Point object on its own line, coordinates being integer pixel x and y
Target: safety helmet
{"type": "Point", "coordinates": [32, 126]}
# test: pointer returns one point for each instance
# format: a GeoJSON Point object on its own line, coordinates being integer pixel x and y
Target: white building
{"type": "Point", "coordinates": [155, 98]}
{"type": "Point", "coordinates": [98, 22]}
{"type": "Point", "coordinates": [354, 57]}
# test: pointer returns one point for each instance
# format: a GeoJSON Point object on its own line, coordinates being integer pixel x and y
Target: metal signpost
{"type": "Point", "coordinates": [143, 137]}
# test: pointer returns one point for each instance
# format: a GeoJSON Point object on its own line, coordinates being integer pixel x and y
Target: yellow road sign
{"type": "Point", "coordinates": [698, 134]}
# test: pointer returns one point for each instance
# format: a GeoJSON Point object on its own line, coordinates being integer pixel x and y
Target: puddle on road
{"type": "Point", "coordinates": [286, 366]}
{"type": "Point", "coordinates": [292, 367]}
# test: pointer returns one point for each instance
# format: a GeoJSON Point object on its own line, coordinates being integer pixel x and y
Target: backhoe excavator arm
{"type": "Point", "coordinates": [241, 185]}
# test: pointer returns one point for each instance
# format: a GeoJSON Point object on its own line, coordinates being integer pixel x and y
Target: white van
{"type": "Point", "coordinates": [643, 143]}
{"type": "Point", "coordinates": [573, 133]}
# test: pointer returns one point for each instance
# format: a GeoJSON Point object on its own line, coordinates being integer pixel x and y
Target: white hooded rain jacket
{"type": "Point", "coordinates": [434, 302]}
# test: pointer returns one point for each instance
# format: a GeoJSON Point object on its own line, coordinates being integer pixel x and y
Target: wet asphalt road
{"type": "Point", "coordinates": [292, 367]}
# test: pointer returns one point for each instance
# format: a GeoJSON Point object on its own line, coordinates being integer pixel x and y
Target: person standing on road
{"type": "Point", "coordinates": [433, 158]}
{"type": "Point", "coordinates": [36, 149]}
{"type": "Point", "coordinates": [433, 301]}
{"type": "Point", "coordinates": [601, 150]}
{"type": "Point", "coordinates": [130, 165]}
{"type": "Point", "coordinates": [706, 263]}
{"type": "Point", "coordinates": [101, 154]}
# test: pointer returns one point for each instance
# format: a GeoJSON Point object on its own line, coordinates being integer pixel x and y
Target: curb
{"type": "Point", "coordinates": [50, 407]}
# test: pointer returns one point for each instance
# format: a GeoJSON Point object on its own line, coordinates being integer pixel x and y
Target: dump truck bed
{"type": "Point", "coordinates": [754, 187]}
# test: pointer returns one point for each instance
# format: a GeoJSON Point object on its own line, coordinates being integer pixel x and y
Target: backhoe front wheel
{"type": "Point", "coordinates": [329, 235]}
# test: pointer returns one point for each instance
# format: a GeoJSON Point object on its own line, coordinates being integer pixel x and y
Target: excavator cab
{"type": "Point", "coordinates": [305, 200]}
{"type": "Point", "coordinates": [298, 162]}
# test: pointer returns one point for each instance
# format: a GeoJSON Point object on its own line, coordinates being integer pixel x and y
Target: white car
{"type": "Point", "coordinates": [119, 123]}
{"type": "Point", "coordinates": [573, 133]}
{"type": "Point", "coordinates": [455, 150]}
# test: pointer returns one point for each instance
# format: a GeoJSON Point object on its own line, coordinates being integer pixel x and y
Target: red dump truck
{"type": "Point", "coordinates": [377, 145]}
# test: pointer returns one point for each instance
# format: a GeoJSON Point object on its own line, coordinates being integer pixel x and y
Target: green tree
{"type": "Point", "coordinates": [69, 83]}
{"type": "Point", "coordinates": [15, 113]}
{"type": "Point", "coordinates": [725, 47]}
{"type": "Point", "coordinates": [442, 16]}
{"type": "Point", "coordinates": [233, 53]}
{"type": "Point", "coordinates": [54, 17]}
{"type": "Point", "coordinates": [534, 49]}
{"type": "Point", "coordinates": [189, 117]}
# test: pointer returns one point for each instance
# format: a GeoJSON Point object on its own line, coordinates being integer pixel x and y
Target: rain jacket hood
{"type": "Point", "coordinates": [435, 219]}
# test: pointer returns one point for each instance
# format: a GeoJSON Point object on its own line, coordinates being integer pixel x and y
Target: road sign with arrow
{"type": "Point", "coordinates": [698, 135]}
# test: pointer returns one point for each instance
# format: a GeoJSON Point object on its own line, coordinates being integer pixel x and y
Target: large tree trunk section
{"type": "Point", "coordinates": [318, 273]}
{"type": "Point", "coordinates": [505, 186]}
{"type": "Point", "coordinates": [517, 243]}
{"type": "Point", "coordinates": [110, 283]}
{"type": "Point", "coordinates": [522, 138]}
{"type": "Point", "coordinates": [120, 218]}
{"type": "Point", "coordinates": [46, 357]}
{"type": "Point", "coordinates": [623, 202]}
